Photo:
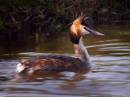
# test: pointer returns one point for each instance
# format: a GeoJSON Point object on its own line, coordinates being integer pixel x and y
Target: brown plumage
{"type": "Point", "coordinates": [53, 63]}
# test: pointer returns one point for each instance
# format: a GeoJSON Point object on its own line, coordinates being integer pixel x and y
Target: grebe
{"type": "Point", "coordinates": [81, 60]}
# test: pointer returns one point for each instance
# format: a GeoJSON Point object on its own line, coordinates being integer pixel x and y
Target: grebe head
{"type": "Point", "coordinates": [77, 30]}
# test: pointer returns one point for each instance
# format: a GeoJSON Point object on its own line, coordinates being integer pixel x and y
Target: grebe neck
{"type": "Point", "coordinates": [81, 52]}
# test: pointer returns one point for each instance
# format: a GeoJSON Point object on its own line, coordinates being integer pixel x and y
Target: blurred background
{"type": "Point", "coordinates": [24, 24]}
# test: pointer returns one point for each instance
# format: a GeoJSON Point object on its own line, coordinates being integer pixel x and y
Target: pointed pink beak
{"type": "Point", "coordinates": [93, 32]}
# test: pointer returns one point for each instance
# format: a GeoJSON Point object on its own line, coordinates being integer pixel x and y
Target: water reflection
{"type": "Point", "coordinates": [110, 78]}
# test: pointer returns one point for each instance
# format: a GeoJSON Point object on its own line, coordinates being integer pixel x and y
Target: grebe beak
{"type": "Point", "coordinates": [19, 68]}
{"type": "Point", "coordinates": [85, 30]}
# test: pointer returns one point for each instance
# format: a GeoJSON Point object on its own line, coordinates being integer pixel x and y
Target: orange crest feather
{"type": "Point", "coordinates": [77, 23]}
{"type": "Point", "coordinates": [75, 27]}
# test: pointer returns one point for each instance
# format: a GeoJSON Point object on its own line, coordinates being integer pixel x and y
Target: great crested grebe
{"type": "Point", "coordinates": [81, 60]}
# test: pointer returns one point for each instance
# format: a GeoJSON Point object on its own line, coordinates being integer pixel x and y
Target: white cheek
{"type": "Point", "coordinates": [19, 68]}
{"type": "Point", "coordinates": [83, 31]}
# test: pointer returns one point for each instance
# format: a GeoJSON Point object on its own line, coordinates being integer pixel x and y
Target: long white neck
{"type": "Point", "coordinates": [81, 52]}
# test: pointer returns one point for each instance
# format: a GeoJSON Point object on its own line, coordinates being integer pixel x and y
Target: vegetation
{"type": "Point", "coordinates": [25, 19]}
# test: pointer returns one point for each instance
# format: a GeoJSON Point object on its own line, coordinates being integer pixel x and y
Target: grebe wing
{"type": "Point", "coordinates": [57, 62]}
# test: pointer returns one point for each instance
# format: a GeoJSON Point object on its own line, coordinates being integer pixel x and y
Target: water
{"type": "Point", "coordinates": [109, 78]}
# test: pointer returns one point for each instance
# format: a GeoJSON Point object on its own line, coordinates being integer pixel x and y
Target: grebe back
{"type": "Point", "coordinates": [80, 62]}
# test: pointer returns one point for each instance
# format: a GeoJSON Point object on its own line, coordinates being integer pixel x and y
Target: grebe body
{"type": "Point", "coordinates": [50, 63]}
{"type": "Point", "coordinates": [80, 62]}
